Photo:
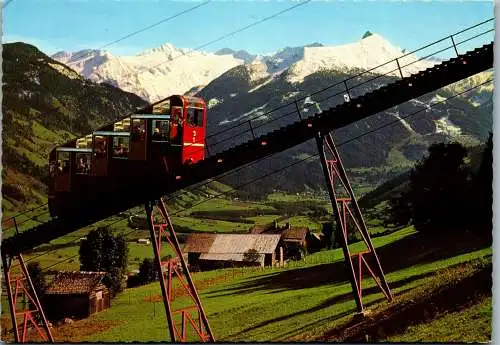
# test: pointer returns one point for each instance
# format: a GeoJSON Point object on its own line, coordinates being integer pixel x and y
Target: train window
{"type": "Point", "coordinates": [63, 162]}
{"type": "Point", "coordinates": [160, 130]}
{"type": "Point", "coordinates": [121, 147]}
{"type": "Point", "coordinates": [100, 146]}
{"type": "Point", "coordinates": [83, 163]}
{"type": "Point", "coordinates": [195, 117]}
{"type": "Point", "coordinates": [138, 130]}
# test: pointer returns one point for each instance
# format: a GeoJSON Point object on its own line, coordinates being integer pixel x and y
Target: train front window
{"type": "Point", "coordinates": [160, 130]}
{"type": "Point", "coordinates": [195, 117]}
{"type": "Point", "coordinates": [63, 162]}
{"type": "Point", "coordinates": [138, 130]}
{"type": "Point", "coordinates": [83, 163]}
{"type": "Point", "coordinates": [121, 147]}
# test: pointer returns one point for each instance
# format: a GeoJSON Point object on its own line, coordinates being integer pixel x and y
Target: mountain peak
{"type": "Point", "coordinates": [367, 34]}
{"type": "Point", "coordinates": [166, 48]}
{"type": "Point", "coordinates": [371, 51]}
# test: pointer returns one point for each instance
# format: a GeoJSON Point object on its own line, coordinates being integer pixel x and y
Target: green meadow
{"type": "Point", "coordinates": [304, 301]}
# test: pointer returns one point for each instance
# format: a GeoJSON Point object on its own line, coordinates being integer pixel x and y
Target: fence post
{"type": "Point", "coordinates": [298, 110]}
{"type": "Point", "coordinates": [251, 129]}
{"type": "Point", "coordinates": [399, 67]}
{"type": "Point", "coordinates": [454, 45]}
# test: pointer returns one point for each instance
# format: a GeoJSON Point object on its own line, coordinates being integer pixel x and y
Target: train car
{"type": "Point", "coordinates": [155, 140]}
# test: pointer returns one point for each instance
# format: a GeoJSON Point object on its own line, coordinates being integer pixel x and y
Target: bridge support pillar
{"type": "Point", "coordinates": [194, 315]}
{"type": "Point", "coordinates": [347, 216]}
{"type": "Point", "coordinates": [24, 302]}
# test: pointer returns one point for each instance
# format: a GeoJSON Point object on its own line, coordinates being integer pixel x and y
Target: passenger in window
{"type": "Point", "coordinates": [65, 168]}
{"type": "Point", "coordinates": [136, 133]}
{"type": "Point", "coordinates": [81, 167]}
{"type": "Point", "coordinates": [156, 134]}
{"type": "Point", "coordinates": [100, 150]}
{"type": "Point", "coordinates": [120, 150]}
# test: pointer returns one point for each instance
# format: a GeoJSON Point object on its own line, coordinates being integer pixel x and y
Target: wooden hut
{"type": "Point", "coordinates": [226, 250]}
{"type": "Point", "coordinates": [77, 295]}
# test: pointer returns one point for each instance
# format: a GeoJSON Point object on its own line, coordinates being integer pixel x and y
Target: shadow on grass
{"type": "Point", "coordinates": [414, 249]}
{"type": "Point", "coordinates": [332, 301]}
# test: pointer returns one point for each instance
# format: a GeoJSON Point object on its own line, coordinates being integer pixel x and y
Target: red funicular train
{"type": "Point", "coordinates": [153, 141]}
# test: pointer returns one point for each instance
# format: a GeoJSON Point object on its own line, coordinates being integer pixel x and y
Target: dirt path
{"type": "Point", "coordinates": [70, 333]}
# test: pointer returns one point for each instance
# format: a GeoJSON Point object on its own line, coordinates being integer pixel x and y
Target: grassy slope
{"type": "Point", "coordinates": [439, 330]}
{"type": "Point", "coordinates": [295, 303]}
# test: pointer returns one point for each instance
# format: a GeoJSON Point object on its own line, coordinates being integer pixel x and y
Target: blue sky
{"type": "Point", "coordinates": [71, 25]}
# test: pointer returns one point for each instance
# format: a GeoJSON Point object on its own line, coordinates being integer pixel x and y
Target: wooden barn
{"type": "Point", "coordinates": [209, 251]}
{"type": "Point", "coordinates": [76, 295]}
{"type": "Point", "coordinates": [292, 237]}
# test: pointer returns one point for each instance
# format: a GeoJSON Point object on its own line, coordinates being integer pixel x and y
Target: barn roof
{"type": "Point", "coordinates": [298, 233]}
{"type": "Point", "coordinates": [260, 229]}
{"type": "Point", "coordinates": [227, 247]}
{"type": "Point", "coordinates": [198, 243]}
{"type": "Point", "coordinates": [291, 234]}
{"type": "Point", "coordinates": [75, 282]}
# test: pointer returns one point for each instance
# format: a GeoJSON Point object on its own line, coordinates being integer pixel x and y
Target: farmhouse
{"type": "Point", "coordinates": [292, 237]}
{"type": "Point", "coordinates": [209, 251]}
{"type": "Point", "coordinates": [76, 295]}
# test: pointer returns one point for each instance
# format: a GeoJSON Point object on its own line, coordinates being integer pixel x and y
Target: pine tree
{"type": "Point", "coordinates": [147, 271]}
{"type": "Point", "coordinates": [437, 194]}
{"type": "Point", "coordinates": [483, 188]}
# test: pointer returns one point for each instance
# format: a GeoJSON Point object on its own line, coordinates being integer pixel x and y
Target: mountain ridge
{"type": "Point", "coordinates": [158, 72]}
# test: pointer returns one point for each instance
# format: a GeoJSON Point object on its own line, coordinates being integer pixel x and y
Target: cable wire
{"type": "Point", "coordinates": [7, 3]}
{"type": "Point", "coordinates": [316, 92]}
{"type": "Point", "coordinates": [201, 46]}
{"type": "Point", "coordinates": [155, 24]}
{"type": "Point", "coordinates": [232, 33]}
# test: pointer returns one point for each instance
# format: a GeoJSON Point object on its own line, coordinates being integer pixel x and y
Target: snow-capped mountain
{"type": "Point", "coordinates": [152, 74]}
{"type": "Point", "coordinates": [166, 70]}
{"type": "Point", "coordinates": [366, 54]}
{"type": "Point", "coordinates": [260, 101]}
